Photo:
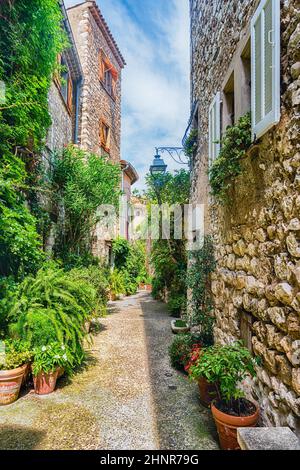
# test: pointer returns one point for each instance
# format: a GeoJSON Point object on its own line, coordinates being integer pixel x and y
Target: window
{"type": "Point", "coordinates": [265, 67]}
{"type": "Point", "coordinates": [214, 128]}
{"type": "Point", "coordinates": [108, 74]}
{"type": "Point", "coordinates": [104, 135]}
{"type": "Point", "coordinates": [64, 82]}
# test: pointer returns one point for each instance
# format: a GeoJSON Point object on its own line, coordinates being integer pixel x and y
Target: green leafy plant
{"type": "Point", "coordinates": [15, 354]}
{"type": "Point", "coordinates": [31, 36]}
{"type": "Point", "coordinates": [180, 349]}
{"type": "Point", "coordinates": [116, 282]}
{"type": "Point", "coordinates": [191, 143]}
{"type": "Point", "coordinates": [52, 307]}
{"type": "Point", "coordinates": [50, 357]}
{"type": "Point", "coordinates": [225, 366]}
{"type": "Point", "coordinates": [80, 183]}
{"type": "Point", "coordinates": [181, 324]}
{"type": "Point", "coordinates": [201, 266]}
{"type": "Point", "coordinates": [234, 144]}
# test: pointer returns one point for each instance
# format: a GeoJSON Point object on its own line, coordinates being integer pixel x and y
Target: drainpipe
{"type": "Point", "coordinates": [77, 109]}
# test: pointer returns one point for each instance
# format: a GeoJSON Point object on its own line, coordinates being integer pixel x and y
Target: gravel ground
{"type": "Point", "coordinates": [127, 398]}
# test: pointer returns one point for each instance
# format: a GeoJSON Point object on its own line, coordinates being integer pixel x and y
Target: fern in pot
{"type": "Point", "coordinates": [226, 367]}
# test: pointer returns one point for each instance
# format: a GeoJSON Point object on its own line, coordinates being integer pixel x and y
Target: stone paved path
{"type": "Point", "coordinates": [128, 398]}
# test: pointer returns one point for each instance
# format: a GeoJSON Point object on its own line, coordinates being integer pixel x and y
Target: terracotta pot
{"type": "Point", "coordinates": [45, 383]}
{"type": "Point", "coordinates": [148, 287]}
{"type": "Point", "coordinates": [10, 384]}
{"type": "Point", "coordinates": [207, 391]}
{"type": "Point", "coordinates": [113, 297]}
{"type": "Point", "coordinates": [227, 426]}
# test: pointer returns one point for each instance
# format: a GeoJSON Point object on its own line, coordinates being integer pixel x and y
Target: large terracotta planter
{"type": "Point", "coordinates": [148, 287]}
{"type": "Point", "coordinates": [207, 391]}
{"type": "Point", "coordinates": [45, 383]}
{"type": "Point", "coordinates": [227, 426]}
{"type": "Point", "coordinates": [10, 384]}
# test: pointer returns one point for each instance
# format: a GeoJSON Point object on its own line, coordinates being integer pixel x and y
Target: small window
{"type": "Point", "coordinates": [108, 74]}
{"type": "Point", "coordinates": [265, 67]}
{"type": "Point", "coordinates": [214, 128]}
{"type": "Point", "coordinates": [104, 135]}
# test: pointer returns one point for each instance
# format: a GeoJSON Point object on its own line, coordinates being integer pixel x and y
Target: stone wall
{"type": "Point", "coordinates": [97, 103]}
{"type": "Point", "coordinates": [257, 236]}
{"type": "Point", "coordinates": [61, 130]}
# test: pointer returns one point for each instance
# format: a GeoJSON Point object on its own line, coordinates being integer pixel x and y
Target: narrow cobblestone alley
{"type": "Point", "coordinates": [128, 398]}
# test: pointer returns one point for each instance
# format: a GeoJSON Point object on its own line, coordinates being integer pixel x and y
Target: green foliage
{"type": "Point", "coordinates": [180, 349]}
{"type": "Point", "coordinates": [226, 367]}
{"type": "Point", "coordinates": [30, 39]}
{"type": "Point", "coordinates": [49, 358]}
{"type": "Point", "coordinates": [52, 307]}
{"type": "Point", "coordinates": [97, 277]}
{"type": "Point", "coordinates": [227, 166]}
{"type": "Point", "coordinates": [168, 257]}
{"type": "Point", "coordinates": [202, 264]}
{"type": "Point", "coordinates": [191, 143]}
{"type": "Point", "coordinates": [16, 354]}
{"type": "Point", "coordinates": [130, 263]}
{"type": "Point", "coordinates": [81, 182]}
{"type": "Point", "coordinates": [116, 282]}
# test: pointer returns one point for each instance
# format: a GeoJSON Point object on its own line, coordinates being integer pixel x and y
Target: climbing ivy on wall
{"type": "Point", "coordinates": [31, 36]}
{"type": "Point", "coordinates": [201, 265]}
{"type": "Point", "coordinates": [236, 141]}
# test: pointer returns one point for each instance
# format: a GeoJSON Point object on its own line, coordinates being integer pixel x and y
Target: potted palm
{"type": "Point", "coordinates": [49, 363]}
{"type": "Point", "coordinates": [226, 367]}
{"type": "Point", "coordinates": [14, 360]}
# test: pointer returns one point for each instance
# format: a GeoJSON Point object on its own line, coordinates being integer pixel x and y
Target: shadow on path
{"type": "Point", "coordinates": [182, 422]}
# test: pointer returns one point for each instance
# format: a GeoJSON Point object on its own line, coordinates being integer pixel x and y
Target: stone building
{"type": "Point", "coordinates": [102, 64]}
{"type": "Point", "coordinates": [64, 95]}
{"type": "Point", "coordinates": [246, 56]}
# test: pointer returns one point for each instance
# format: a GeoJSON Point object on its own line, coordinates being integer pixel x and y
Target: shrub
{"type": "Point", "coordinates": [180, 349]}
{"type": "Point", "coordinates": [177, 304]}
{"type": "Point", "coordinates": [116, 282]}
{"type": "Point", "coordinates": [52, 307]}
{"type": "Point", "coordinates": [16, 354]}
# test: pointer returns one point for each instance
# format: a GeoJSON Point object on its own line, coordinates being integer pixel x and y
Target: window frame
{"type": "Point", "coordinates": [105, 145]}
{"type": "Point", "coordinates": [269, 120]}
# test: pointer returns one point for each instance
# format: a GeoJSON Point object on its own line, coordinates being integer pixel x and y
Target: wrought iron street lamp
{"type": "Point", "coordinates": [158, 166]}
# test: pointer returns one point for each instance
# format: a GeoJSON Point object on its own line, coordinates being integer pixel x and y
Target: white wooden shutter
{"type": "Point", "coordinates": [265, 67]}
{"type": "Point", "coordinates": [214, 133]}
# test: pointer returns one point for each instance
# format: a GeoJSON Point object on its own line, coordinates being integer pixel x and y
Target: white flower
{"type": "Point", "coordinates": [63, 347]}
{"type": "Point", "coordinates": [57, 356]}
{"type": "Point", "coordinates": [65, 357]}
{"type": "Point", "coordinates": [44, 348]}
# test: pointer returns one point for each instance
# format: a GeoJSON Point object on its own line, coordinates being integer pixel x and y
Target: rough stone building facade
{"type": "Point", "coordinates": [102, 64]}
{"type": "Point", "coordinates": [257, 235]}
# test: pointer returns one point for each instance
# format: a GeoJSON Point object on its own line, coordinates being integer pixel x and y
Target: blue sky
{"type": "Point", "coordinates": [153, 36]}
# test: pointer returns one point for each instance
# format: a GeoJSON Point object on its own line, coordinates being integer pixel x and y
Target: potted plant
{"type": "Point", "coordinates": [116, 284]}
{"type": "Point", "coordinates": [179, 326]}
{"type": "Point", "coordinates": [49, 363]}
{"type": "Point", "coordinates": [14, 360]}
{"type": "Point", "coordinates": [226, 367]}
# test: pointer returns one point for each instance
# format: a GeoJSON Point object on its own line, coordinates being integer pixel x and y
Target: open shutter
{"type": "Point", "coordinates": [70, 94]}
{"type": "Point", "coordinates": [214, 128]}
{"type": "Point", "coordinates": [265, 67]}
